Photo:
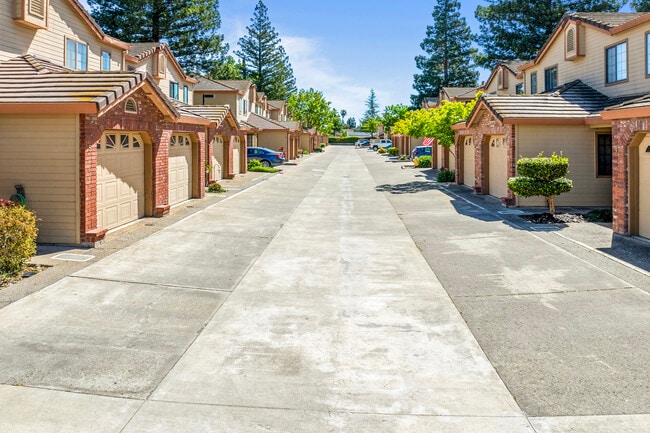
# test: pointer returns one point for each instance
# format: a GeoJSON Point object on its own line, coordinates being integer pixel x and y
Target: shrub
{"type": "Point", "coordinates": [348, 139]}
{"type": "Point", "coordinates": [253, 163]}
{"type": "Point", "coordinates": [446, 176]}
{"type": "Point", "coordinates": [318, 149]}
{"type": "Point", "coordinates": [381, 150]}
{"type": "Point", "coordinates": [304, 151]}
{"type": "Point", "coordinates": [393, 151]}
{"type": "Point", "coordinates": [215, 188]}
{"type": "Point", "coordinates": [599, 216]}
{"type": "Point", "coordinates": [542, 176]}
{"type": "Point", "coordinates": [17, 238]}
{"type": "Point", "coordinates": [262, 169]}
{"type": "Point", "coordinates": [424, 161]}
{"type": "Point", "coordinates": [403, 157]}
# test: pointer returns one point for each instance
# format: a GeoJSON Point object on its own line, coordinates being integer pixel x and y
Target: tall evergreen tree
{"type": "Point", "coordinates": [372, 106]}
{"type": "Point", "coordinates": [189, 27]}
{"type": "Point", "coordinates": [517, 29]}
{"type": "Point", "coordinates": [266, 62]}
{"type": "Point", "coordinates": [449, 59]}
{"type": "Point", "coordinates": [641, 5]}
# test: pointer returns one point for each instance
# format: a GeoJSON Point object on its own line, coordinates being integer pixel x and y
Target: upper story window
{"type": "Point", "coordinates": [550, 78]}
{"type": "Point", "coordinates": [533, 83]}
{"type": "Point", "coordinates": [616, 63]}
{"type": "Point", "coordinates": [173, 90]}
{"type": "Point", "coordinates": [239, 105]}
{"type": "Point", "coordinates": [245, 107]}
{"type": "Point", "coordinates": [106, 61]}
{"type": "Point", "coordinates": [76, 55]}
{"type": "Point", "coordinates": [186, 94]}
{"type": "Point", "coordinates": [519, 89]}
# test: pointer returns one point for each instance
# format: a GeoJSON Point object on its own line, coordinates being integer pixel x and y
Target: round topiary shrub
{"type": "Point", "coordinates": [17, 238]}
{"type": "Point", "coordinates": [393, 151]}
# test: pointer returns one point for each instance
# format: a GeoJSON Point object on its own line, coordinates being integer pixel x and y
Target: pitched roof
{"type": "Point", "coordinates": [277, 104]}
{"type": "Point", "coordinates": [139, 51]}
{"type": "Point", "coordinates": [292, 125]}
{"type": "Point", "coordinates": [215, 113]}
{"type": "Point", "coordinates": [604, 20]}
{"type": "Point", "coordinates": [208, 84]}
{"type": "Point", "coordinates": [513, 65]}
{"type": "Point", "coordinates": [573, 101]}
{"type": "Point", "coordinates": [29, 82]}
{"type": "Point", "coordinates": [460, 92]}
{"type": "Point", "coordinates": [94, 27]}
{"type": "Point", "coordinates": [260, 122]}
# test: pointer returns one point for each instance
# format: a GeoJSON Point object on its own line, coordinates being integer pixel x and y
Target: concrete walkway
{"type": "Point", "coordinates": [302, 304]}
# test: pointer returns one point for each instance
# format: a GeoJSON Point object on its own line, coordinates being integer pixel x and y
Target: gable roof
{"type": "Point", "coordinates": [29, 84]}
{"type": "Point", "coordinates": [95, 28]}
{"type": "Point", "coordinates": [215, 113]}
{"type": "Point", "coordinates": [276, 104]}
{"type": "Point", "coordinates": [610, 22]}
{"type": "Point", "coordinates": [140, 51]}
{"type": "Point", "coordinates": [571, 103]}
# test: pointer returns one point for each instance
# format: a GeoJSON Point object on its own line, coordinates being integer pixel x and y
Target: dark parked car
{"type": "Point", "coordinates": [267, 157]}
{"type": "Point", "coordinates": [421, 151]}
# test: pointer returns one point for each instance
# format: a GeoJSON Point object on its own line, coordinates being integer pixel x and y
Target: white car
{"type": "Point", "coordinates": [384, 142]}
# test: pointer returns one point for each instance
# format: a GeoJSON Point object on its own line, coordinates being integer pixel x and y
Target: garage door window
{"type": "Point", "coordinates": [126, 142]}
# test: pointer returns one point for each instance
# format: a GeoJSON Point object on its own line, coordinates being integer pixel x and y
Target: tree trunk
{"type": "Point", "coordinates": [551, 204]}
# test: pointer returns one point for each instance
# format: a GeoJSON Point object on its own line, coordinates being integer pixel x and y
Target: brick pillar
{"type": "Point", "coordinates": [160, 175]}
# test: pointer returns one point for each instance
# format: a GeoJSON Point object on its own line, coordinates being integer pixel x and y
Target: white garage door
{"type": "Point", "coordinates": [498, 164]}
{"type": "Point", "coordinates": [236, 157]}
{"type": "Point", "coordinates": [644, 188]}
{"type": "Point", "coordinates": [120, 179]}
{"type": "Point", "coordinates": [468, 161]}
{"type": "Point", "coordinates": [180, 168]}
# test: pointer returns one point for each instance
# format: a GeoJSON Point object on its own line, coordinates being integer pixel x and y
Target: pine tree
{"type": "Point", "coordinates": [450, 57]}
{"type": "Point", "coordinates": [267, 64]}
{"type": "Point", "coordinates": [189, 27]}
{"type": "Point", "coordinates": [517, 29]}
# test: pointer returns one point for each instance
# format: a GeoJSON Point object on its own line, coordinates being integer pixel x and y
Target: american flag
{"type": "Point", "coordinates": [428, 141]}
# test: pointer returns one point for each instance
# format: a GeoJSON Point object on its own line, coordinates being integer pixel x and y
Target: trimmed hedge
{"type": "Point", "coordinates": [348, 139]}
{"type": "Point", "coordinates": [424, 161]}
{"type": "Point", "coordinates": [542, 168]}
{"type": "Point", "coordinates": [527, 187]}
{"type": "Point", "coordinates": [393, 151]}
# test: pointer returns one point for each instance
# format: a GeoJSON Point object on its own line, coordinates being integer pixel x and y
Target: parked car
{"type": "Point", "coordinates": [267, 157]}
{"type": "Point", "coordinates": [421, 151]}
{"type": "Point", "coordinates": [363, 142]}
{"type": "Point", "coordinates": [385, 143]}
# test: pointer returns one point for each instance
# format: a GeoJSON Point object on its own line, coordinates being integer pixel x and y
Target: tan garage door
{"type": "Point", "coordinates": [180, 168]}
{"type": "Point", "coordinates": [498, 154]}
{"type": "Point", "coordinates": [236, 157]}
{"type": "Point", "coordinates": [644, 188]}
{"type": "Point", "coordinates": [217, 158]}
{"type": "Point", "coordinates": [120, 179]}
{"type": "Point", "coordinates": [468, 161]}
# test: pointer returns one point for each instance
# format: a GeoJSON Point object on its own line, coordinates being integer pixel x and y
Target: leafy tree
{"type": "Point", "coordinates": [228, 69]}
{"type": "Point", "coordinates": [312, 110]}
{"type": "Point", "coordinates": [392, 114]}
{"type": "Point", "coordinates": [189, 27]}
{"type": "Point", "coordinates": [449, 59]}
{"type": "Point", "coordinates": [641, 5]}
{"type": "Point", "coordinates": [517, 29]}
{"type": "Point", "coordinates": [266, 62]}
{"type": "Point", "coordinates": [542, 176]}
{"type": "Point", "coordinates": [351, 122]}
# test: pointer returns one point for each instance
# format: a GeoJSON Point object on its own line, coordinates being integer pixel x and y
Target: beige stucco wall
{"type": "Point", "coordinates": [40, 153]}
{"type": "Point", "coordinates": [591, 67]}
{"type": "Point", "coordinates": [63, 21]}
{"type": "Point", "coordinates": [578, 143]}
{"type": "Point", "coordinates": [273, 140]}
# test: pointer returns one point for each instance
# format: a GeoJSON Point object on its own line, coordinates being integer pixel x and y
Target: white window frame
{"type": "Point", "coordinates": [75, 59]}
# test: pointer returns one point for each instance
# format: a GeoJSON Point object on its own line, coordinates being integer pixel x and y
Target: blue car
{"type": "Point", "coordinates": [421, 151]}
{"type": "Point", "coordinates": [267, 157]}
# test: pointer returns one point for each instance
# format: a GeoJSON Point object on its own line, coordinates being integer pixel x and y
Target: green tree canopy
{"type": "Point", "coordinates": [392, 114]}
{"type": "Point", "coordinates": [449, 59]}
{"type": "Point", "coordinates": [517, 29]}
{"type": "Point", "coordinates": [189, 27]}
{"type": "Point", "coordinates": [265, 60]}
{"type": "Point", "coordinates": [641, 5]}
{"type": "Point", "coordinates": [370, 120]}
{"type": "Point", "coordinates": [312, 110]}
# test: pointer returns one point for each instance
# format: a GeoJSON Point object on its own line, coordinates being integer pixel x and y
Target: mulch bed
{"type": "Point", "coordinates": [558, 218]}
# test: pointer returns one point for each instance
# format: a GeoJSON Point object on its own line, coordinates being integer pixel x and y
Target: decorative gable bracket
{"type": "Point", "coordinates": [32, 13]}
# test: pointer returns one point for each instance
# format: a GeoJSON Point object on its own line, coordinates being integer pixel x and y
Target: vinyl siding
{"type": "Point", "coordinates": [63, 21]}
{"type": "Point", "coordinates": [576, 143]}
{"type": "Point", "coordinates": [591, 67]}
{"type": "Point", "coordinates": [273, 140]}
{"type": "Point", "coordinates": [40, 153]}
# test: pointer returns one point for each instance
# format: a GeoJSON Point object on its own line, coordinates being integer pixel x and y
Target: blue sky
{"type": "Point", "coordinates": [345, 48]}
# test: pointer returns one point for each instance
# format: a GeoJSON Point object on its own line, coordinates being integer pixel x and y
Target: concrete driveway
{"type": "Point", "coordinates": [309, 303]}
